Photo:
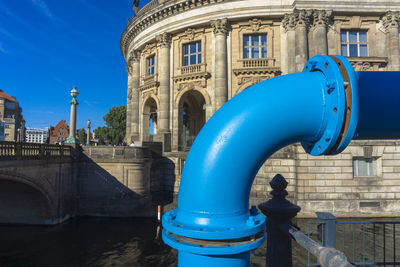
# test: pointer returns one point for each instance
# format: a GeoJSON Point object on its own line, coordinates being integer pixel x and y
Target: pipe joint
{"type": "Point", "coordinates": [341, 107]}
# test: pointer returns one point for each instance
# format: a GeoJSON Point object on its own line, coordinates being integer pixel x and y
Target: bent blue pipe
{"type": "Point", "coordinates": [319, 107]}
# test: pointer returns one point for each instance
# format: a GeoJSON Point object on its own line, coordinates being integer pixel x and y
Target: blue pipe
{"type": "Point", "coordinates": [213, 225]}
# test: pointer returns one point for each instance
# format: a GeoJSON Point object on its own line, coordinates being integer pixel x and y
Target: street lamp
{"type": "Point", "coordinates": [88, 132]}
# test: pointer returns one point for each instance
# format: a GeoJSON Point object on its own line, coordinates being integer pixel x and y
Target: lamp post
{"type": "Point", "coordinates": [88, 133]}
{"type": "Point", "coordinates": [72, 122]}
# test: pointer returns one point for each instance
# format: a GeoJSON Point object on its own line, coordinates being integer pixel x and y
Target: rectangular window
{"type": "Point", "coordinates": [255, 46]}
{"type": "Point", "coordinates": [150, 62]}
{"type": "Point", "coordinates": [191, 54]}
{"type": "Point", "coordinates": [364, 167]}
{"type": "Point", "coordinates": [354, 43]}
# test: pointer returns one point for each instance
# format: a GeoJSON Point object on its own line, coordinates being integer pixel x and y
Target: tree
{"type": "Point", "coordinates": [81, 136]}
{"type": "Point", "coordinates": [116, 125]}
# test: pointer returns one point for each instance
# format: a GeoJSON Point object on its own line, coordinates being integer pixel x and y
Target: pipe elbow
{"type": "Point", "coordinates": [309, 107]}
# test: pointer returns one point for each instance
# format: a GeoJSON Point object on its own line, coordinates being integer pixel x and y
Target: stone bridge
{"type": "Point", "coordinates": [47, 184]}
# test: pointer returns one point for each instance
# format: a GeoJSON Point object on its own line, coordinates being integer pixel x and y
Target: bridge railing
{"type": "Point", "coordinates": [14, 150]}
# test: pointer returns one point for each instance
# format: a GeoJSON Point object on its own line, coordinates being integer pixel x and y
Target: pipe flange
{"type": "Point", "coordinates": [341, 110]}
{"type": "Point", "coordinates": [213, 240]}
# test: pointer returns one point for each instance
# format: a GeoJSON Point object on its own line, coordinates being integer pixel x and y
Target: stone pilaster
{"type": "Point", "coordinates": [164, 132]}
{"type": "Point", "coordinates": [391, 23]}
{"type": "Point", "coordinates": [132, 108]}
{"type": "Point", "coordinates": [221, 29]}
{"type": "Point", "coordinates": [320, 22]}
{"type": "Point", "coordinates": [301, 46]}
{"type": "Point", "coordinates": [288, 24]}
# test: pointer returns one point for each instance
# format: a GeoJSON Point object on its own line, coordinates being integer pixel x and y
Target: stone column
{"type": "Point", "coordinates": [132, 108]}
{"type": "Point", "coordinates": [320, 22]}
{"type": "Point", "coordinates": [221, 65]}
{"type": "Point", "coordinates": [288, 24]}
{"type": "Point", "coordinates": [164, 132]}
{"type": "Point", "coordinates": [301, 47]}
{"type": "Point", "coordinates": [391, 23]}
{"type": "Point", "coordinates": [72, 121]}
{"type": "Point", "coordinates": [88, 133]}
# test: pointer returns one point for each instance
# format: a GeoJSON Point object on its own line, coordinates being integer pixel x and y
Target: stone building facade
{"type": "Point", "coordinates": [11, 116]}
{"type": "Point", "coordinates": [186, 58]}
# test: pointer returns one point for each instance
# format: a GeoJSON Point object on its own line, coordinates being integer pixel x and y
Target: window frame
{"type": "Point", "coordinates": [250, 46]}
{"type": "Point", "coordinates": [198, 53]}
{"type": "Point", "coordinates": [151, 66]}
{"type": "Point", "coordinates": [369, 161]}
{"type": "Point", "coordinates": [358, 42]}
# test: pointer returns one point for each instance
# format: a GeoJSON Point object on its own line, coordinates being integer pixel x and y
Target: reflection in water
{"type": "Point", "coordinates": [85, 242]}
{"type": "Point", "coordinates": [125, 242]}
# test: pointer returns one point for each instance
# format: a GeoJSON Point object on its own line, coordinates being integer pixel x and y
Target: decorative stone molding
{"type": "Point", "coordinates": [191, 85]}
{"type": "Point", "coordinates": [321, 17]}
{"type": "Point", "coordinates": [149, 49]}
{"type": "Point", "coordinates": [153, 87]}
{"type": "Point", "coordinates": [130, 93]}
{"type": "Point", "coordinates": [368, 63]}
{"type": "Point", "coordinates": [288, 22]}
{"type": "Point", "coordinates": [128, 69]}
{"type": "Point", "coordinates": [133, 56]}
{"type": "Point", "coordinates": [164, 40]}
{"type": "Point", "coordinates": [220, 26]}
{"type": "Point", "coordinates": [391, 20]}
{"type": "Point", "coordinates": [302, 17]}
{"type": "Point", "coordinates": [189, 34]}
{"type": "Point", "coordinates": [191, 76]}
{"type": "Point", "coordinates": [247, 81]}
{"type": "Point", "coordinates": [255, 24]}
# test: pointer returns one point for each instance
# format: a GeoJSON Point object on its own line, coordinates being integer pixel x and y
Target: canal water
{"type": "Point", "coordinates": [104, 242]}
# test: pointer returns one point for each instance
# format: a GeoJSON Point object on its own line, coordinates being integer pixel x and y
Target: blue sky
{"type": "Point", "coordinates": [47, 46]}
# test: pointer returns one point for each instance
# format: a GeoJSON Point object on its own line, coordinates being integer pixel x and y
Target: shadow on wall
{"type": "Point", "coordinates": [124, 181]}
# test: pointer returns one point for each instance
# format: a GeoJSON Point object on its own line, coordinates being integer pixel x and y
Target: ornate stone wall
{"type": "Point", "coordinates": [179, 98]}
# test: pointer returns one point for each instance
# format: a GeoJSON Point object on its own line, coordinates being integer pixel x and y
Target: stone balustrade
{"type": "Point", "coordinates": [258, 62]}
{"type": "Point", "coordinates": [193, 69]}
{"type": "Point", "coordinates": [11, 150]}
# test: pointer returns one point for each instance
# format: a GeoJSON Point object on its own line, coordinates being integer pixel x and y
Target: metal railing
{"type": "Point", "coordinates": [16, 150]}
{"type": "Point", "coordinates": [366, 243]}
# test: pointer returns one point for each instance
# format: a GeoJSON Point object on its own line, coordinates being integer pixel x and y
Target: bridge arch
{"type": "Point", "coordinates": [24, 200]}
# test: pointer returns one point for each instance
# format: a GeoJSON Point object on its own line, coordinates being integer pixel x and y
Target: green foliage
{"type": "Point", "coordinates": [116, 125]}
{"type": "Point", "coordinates": [81, 136]}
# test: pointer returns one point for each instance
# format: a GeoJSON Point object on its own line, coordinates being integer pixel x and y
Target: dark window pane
{"type": "Point", "coordinates": [186, 49]}
{"type": "Point", "coordinates": [198, 58]}
{"type": "Point", "coordinates": [198, 46]}
{"type": "Point", "coordinates": [263, 52]}
{"type": "Point", "coordinates": [344, 50]}
{"type": "Point", "coordinates": [363, 51]}
{"type": "Point", "coordinates": [264, 39]}
{"type": "Point", "coordinates": [246, 40]}
{"type": "Point", "coordinates": [152, 61]}
{"type": "Point", "coordinates": [186, 61]}
{"type": "Point", "coordinates": [255, 40]}
{"type": "Point", "coordinates": [245, 53]}
{"type": "Point", "coordinates": [353, 37]}
{"type": "Point", "coordinates": [255, 52]}
{"type": "Point", "coordinates": [152, 70]}
{"type": "Point", "coordinates": [363, 37]}
{"type": "Point", "coordinates": [343, 36]}
{"type": "Point", "coordinates": [353, 50]}
{"type": "Point", "coordinates": [192, 60]}
{"type": "Point", "coordinates": [192, 48]}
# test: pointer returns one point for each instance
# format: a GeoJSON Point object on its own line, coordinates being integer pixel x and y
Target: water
{"type": "Point", "coordinates": [85, 242]}
{"type": "Point", "coordinates": [104, 242]}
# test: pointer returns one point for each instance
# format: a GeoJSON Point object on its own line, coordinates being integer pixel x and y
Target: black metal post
{"type": "Point", "coordinates": [279, 212]}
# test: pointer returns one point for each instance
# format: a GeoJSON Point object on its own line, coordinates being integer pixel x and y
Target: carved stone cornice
{"type": "Point", "coordinates": [220, 26]}
{"type": "Point", "coordinates": [368, 63]}
{"type": "Point", "coordinates": [164, 40]}
{"type": "Point", "coordinates": [151, 85]}
{"type": "Point", "coordinates": [255, 24]}
{"type": "Point", "coordinates": [191, 76]}
{"type": "Point", "coordinates": [391, 20]}
{"type": "Point", "coordinates": [247, 71]}
{"type": "Point", "coordinates": [321, 17]}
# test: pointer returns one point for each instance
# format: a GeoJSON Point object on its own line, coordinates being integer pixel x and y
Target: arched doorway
{"type": "Point", "coordinates": [149, 121]}
{"type": "Point", "coordinates": [23, 204]}
{"type": "Point", "coordinates": [192, 117]}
